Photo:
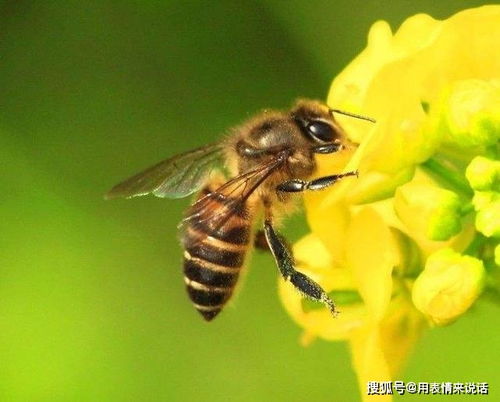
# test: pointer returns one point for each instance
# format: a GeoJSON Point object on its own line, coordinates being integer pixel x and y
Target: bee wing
{"type": "Point", "coordinates": [176, 177]}
{"type": "Point", "coordinates": [232, 195]}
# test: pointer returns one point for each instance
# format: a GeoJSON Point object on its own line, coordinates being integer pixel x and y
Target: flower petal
{"type": "Point", "coordinates": [369, 361]}
{"type": "Point", "coordinates": [371, 254]}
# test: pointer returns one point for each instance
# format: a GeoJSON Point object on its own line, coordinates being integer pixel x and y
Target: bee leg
{"type": "Point", "coordinates": [297, 185]}
{"type": "Point", "coordinates": [286, 265]}
{"type": "Point", "coordinates": [260, 241]}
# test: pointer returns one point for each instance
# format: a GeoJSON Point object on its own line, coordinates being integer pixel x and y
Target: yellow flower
{"type": "Point", "coordinates": [433, 89]}
{"type": "Point", "coordinates": [335, 280]}
{"type": "Point", "coordinates": [448, 286]}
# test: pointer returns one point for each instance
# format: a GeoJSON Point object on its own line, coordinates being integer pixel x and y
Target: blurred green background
{"type": "Point", "coordinates": [92, 302]}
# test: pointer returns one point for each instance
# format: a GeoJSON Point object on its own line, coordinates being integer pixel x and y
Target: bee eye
{"type": "Point", "coordinates": [321, 131]}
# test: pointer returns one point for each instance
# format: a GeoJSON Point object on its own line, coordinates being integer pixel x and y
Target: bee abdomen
{"type": "Point", "coordinates": [212, 262]}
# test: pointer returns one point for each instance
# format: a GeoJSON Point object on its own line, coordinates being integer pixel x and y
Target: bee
{"type": "Point", "coordinates": [268, 158]}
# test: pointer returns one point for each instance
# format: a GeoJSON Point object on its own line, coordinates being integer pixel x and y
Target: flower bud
{"type": "Point", "coordinates": [483, 174]}
{"type": "Point", "coordinates": [471, 113]}
{"type": "Point", "coordinates": [488, 219]}
{"type": "Point", "coordinates": [428, 210]}
{"type": "Point", "coordinates": [375, 186]}
{"type": "Point", "coordinates": [482, 198]}
{"type": "Point", "coordinates": [448, 286]}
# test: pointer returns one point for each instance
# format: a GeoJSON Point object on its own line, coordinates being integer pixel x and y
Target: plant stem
{"type": "Point", "coordinates": [448, 177]}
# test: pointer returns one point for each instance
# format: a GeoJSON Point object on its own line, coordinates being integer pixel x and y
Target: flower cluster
{"type": "Point", "coordinates": [413, 242]}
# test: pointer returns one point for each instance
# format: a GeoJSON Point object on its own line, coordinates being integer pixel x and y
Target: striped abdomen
{"type": "Point", "coordinates": [214, 253]}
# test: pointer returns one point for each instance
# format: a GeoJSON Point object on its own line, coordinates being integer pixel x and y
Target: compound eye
{"type": "Point", "coordinates": [321, 131]}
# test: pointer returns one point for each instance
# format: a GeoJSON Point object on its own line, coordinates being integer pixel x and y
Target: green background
{"type": "Point", "coordinates": [92, 303]}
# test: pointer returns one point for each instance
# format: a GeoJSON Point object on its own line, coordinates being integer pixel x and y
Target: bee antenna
{"type": "Point", "coordinates": [356, 116]}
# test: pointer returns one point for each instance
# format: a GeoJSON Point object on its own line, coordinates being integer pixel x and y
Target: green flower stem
{"type": "Point", "coordinates": [491, 293]}
{"type": "Point", "coordinates": [475, 247]}
{"type": "Point", "coordinates": [493, 151]}
{"type": "Point", "coordinates": [467, 209]}
{"type": "Point", "coordinates": [452, 179]}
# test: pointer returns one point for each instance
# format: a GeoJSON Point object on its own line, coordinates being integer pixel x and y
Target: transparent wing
{"type": "Point", "coordinates": [176, 177]}
{"type": "Point", "coordinates": [218, 206]}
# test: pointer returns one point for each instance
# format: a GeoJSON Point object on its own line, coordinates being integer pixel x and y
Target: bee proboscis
{"type": "Point", "coordinates": [268, 158]}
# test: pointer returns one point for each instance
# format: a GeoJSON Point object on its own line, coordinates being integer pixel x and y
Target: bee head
{"type": "Point", "coordinates": [316, 122]}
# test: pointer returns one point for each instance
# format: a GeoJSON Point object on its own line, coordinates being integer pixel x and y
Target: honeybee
{"type": "Point", "coordinates": [268, 158]}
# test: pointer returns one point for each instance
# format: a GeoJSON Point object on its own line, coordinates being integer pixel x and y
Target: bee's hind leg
{"type": "Point", "coordinates": [260, 241]}
{"type": "Point", "coordinates": [286, 265]}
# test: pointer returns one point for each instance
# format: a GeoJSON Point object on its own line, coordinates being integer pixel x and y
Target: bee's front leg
{"type": "Point", "coordinates": [297, 185]}
{"type": "Point", "coordinates": [286, 265]}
